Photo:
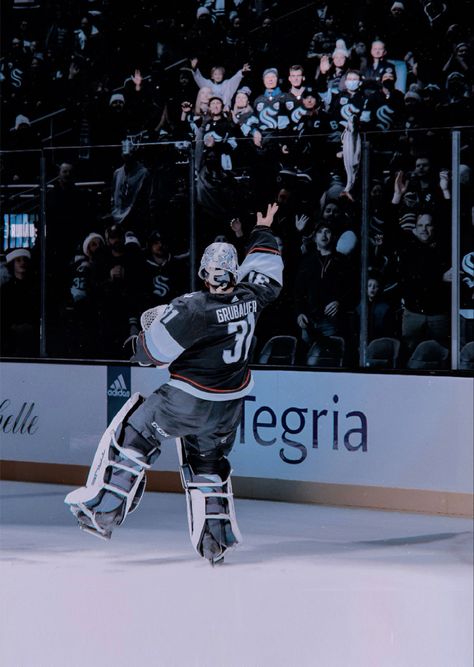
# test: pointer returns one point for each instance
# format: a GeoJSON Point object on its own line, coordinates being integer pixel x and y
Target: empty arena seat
{"type": "Point", "coordinates": [327, 354]}
{"type": "Point", "coordinates": [383, 353]}
{"type": "Point", "coordinates": [253, 345]}
{"type": "Point", "coordinates": [466, 357]}
{"type": "Point", "coordinates": [279, 350]}
{"type": "Point", "coordinates": [429, 355]}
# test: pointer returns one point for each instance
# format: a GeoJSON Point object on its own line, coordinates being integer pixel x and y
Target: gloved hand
{"type": "Point", "coordinates": [139, 356]}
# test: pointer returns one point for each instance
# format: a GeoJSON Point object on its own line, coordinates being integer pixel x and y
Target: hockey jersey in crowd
{"type": "Point", "coordinates": [272, 113]}
{"type": "Point", "coordinates": [205, 338]}
{"type": "Point", "coordinates": [219, 155]}
{"type": "Point", "coordinates": [345, 107]}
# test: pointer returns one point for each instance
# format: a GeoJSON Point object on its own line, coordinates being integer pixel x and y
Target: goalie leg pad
{"type": "Point", "coordinates": [116, 480]}
{"type": "Point", "coordinates": [210, 506]}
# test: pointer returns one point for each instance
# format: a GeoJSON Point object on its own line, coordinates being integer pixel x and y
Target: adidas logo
{"type": "Point", "coordinates": [118, 388]}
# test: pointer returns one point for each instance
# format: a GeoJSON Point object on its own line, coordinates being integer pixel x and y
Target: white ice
{"type": "Point", "coordinates": [310, 586]}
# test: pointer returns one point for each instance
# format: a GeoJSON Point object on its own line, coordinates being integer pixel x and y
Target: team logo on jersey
{"type": "Point", "coordinates": [161, 285]}
{"type": "Point", "coordinates": [118, 388]}
{"type": "Point", "coordinates": [16, 77]}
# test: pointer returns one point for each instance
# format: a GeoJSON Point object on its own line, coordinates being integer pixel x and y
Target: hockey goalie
{"type": "Point", "coordinates": [203, 338]}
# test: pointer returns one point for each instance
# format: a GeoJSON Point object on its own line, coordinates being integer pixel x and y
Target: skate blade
{"type": "Point", "coordinates": [218, 561]}
{"type": "Point", "coordinates": [92, 531]}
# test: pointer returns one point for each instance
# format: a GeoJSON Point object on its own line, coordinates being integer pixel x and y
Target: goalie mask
{"type": "Point", "coordinates": [219, 266]}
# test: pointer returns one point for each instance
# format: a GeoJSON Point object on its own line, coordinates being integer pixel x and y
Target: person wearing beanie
{"type": "Point", "coordinates": [241, 108]}
{"type": "Point", "coordinates": [397, 7]}
{"type": "Point", "coordinates": [331, 72]}
{"type": "Point", "coordinates": [111, 125]}
{"type": "Point", "coordinates": [12, 255]}
{"type": "Point", "coordinates": [82, 321]}
{"type": "Point", "coordinates": [19, 306]}
{"type": "Point", "coordinates": [21, 121]}
{"type": "Point", "coordinates": [91, 243]}
{"type": "Point", "coordinates": [202, 12]}
{"type": "Point", "coordinates": [88, 269]}
{"type": "Point", "coordinates": [117, 99]}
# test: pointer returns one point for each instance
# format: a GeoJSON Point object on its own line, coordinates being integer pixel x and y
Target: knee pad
{"type": "Point", "coordinates": [210, 506]}
{"type": "Point", "coordinates": [116, 480]}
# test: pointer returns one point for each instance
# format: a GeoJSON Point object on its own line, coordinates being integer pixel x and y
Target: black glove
{"type": "Point", "coordinates": [139, 353]}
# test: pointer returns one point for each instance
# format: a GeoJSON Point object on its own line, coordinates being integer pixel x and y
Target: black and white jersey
{"type": "Point", "coordinates": [385, 112]}
{"type": "Point", "coordinates": [345, 107]}
{"type": "Point", "coordinates": [205, 338]}
{"type": "Point", "coordinates": [162, 282]}
{"type": "Point", "coordinates": [272, 114]}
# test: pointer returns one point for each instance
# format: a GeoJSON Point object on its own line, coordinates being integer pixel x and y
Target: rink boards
{"type": "Point", "coordinates": [400, 442]}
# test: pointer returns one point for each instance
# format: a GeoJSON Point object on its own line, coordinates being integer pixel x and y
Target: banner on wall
{"type": "Point", "coordinates": [346, 428]}
{"type": "Point", "coordinates": [119, 389]}
{"type": "Point", "coordinates": [50, 412]}
{"type": "Point", "coordinates": [340, 428]}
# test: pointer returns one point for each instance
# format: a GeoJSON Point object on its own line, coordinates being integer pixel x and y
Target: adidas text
{"type": "Point", "coordinates": [118, 393]}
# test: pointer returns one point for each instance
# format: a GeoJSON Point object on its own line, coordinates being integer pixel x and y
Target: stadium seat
{"type": "Point", "coordinates": [466, 357]}
{"type": "Point", "coordinates": [327, 354]}
{"type": "Point", "coordinates": [383, 353]}
{"type": "Point", "coordinates": [253, 345]}
{"type": "Point", "coordinates": [279, 350]}
{"type": "Point", "coordinates": [429, 355]}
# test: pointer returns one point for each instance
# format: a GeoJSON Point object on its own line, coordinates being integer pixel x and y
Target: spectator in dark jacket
{"type": "Point", "coordinates": [423, 266]}
{"type": "Point", "coordinates": [322, 289]}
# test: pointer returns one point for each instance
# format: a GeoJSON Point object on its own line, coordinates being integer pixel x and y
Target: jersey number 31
{"type": "Point", "coordinates": [243, 332]}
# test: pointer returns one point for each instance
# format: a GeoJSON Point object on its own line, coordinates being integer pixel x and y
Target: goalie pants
{"type": "Point", "coordinates": [207, 427]}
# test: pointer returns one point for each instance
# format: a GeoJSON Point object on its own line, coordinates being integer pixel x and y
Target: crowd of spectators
{"type": "Point", "coordinates": [273, 100]}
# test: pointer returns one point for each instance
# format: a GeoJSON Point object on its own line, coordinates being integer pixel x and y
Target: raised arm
{"type": "Point", "coordinates": [263, 263]}
{"type": "Point", "coordinates": [266, 221]}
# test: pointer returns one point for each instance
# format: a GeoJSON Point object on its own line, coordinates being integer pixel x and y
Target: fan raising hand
{"type": "Point", "coordinates": [267, 220]}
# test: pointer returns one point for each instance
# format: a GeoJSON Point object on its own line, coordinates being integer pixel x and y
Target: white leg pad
{"type": "Point", "coordinates": [110, 458]}
{"type": "Point", "coordinates": [202, 492]}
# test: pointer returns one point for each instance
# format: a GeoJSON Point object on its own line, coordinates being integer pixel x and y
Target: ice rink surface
{"type": "Point", "coordinates": [310, 586]}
